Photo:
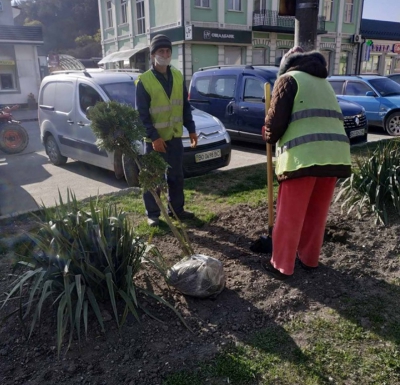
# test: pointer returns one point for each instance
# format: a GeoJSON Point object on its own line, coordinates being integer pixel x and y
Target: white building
{"type": "Point", "coordinates": [19, 62]}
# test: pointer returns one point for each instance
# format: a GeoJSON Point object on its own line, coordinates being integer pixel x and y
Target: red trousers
{"type": "Point", "coordinates": [301, 214]}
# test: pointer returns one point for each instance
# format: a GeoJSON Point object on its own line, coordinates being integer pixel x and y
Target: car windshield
{"type": "Point", "coordinates": [123, 92]}
{"type": "Point", "coordinates": [385, 86]}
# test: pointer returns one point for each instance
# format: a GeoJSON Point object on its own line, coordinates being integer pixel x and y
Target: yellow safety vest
{"type": "Point", "coordinates": [315, 135]}
{"type": "Point", "coordinates": [166, 113]}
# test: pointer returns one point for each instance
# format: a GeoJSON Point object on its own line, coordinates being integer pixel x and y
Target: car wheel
{"type": "Point", "coordinates": [53, 152]}
{"type": "Point", "coordinates": [131, 171]}
{"type": "Point", "coordinates": [392, 125]}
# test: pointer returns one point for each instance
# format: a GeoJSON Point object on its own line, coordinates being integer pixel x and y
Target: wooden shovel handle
{"type": "Point", "coordinates": [270, 175]}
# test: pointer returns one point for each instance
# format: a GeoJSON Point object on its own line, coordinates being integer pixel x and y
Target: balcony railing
{"type": "Point", "coordinates": [266, 20]}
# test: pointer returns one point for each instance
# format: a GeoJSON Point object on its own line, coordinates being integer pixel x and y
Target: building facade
{"type": "Point", "coordinates": [19, 61]}
{"type": "Point", "coordinates": [380, 47]}
{"type": "Point", "coordinates": [219, 32]}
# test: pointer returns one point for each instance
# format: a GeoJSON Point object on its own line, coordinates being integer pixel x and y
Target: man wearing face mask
{"type": "Point", "coordinates": [162, 102]}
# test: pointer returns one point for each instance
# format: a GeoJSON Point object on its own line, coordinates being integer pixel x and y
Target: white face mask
{"type": "Point", "coordinates": [161, 61]}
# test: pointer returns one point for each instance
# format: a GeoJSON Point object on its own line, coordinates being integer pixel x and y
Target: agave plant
{"type": "Point", "coordinates": [375, 184]}
{"type": "Point", "coordinates": [118, 127]}
{"type": "Point", "coordinates": [81, 260]}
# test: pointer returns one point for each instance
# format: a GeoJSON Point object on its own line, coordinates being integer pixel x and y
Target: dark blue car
{"type": "Point", "coordinates": [235, 95]}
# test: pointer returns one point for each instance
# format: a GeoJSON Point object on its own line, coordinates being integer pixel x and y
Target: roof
{"type": "Point", "coordinates": [241, 68]}
{"type": "Point", "coordinates": [378, 29]}
{"type": "Point", "coordinates": [20, 34]}
{"type": "Point", "coordinates": [354, 77]}
{"type": "Point", "coordinates": [104, 77]}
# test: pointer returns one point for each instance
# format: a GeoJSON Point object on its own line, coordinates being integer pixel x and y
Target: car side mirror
{"type": "Point", "coordinates": [370, 93]}
{"type": "Point", "coordinates": [88, 109]}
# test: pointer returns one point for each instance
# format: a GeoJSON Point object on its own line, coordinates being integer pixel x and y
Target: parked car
{"type": "Point", "coordinates": [394, 77]}
{"type": "Point", "coordinates": [235, 95]}
{"type": "Point", "coordinates": [65, 129]}
{"type": "Point", "coordinates": [379, 95]}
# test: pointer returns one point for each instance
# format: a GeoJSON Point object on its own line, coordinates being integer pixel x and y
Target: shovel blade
{"type": "Point", "coordinates": [262, 245]}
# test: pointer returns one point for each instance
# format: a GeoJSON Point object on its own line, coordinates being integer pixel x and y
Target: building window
{"type": "Point", "coordinates": [109, 15]}
{"type": "Point", "coordinates": [235, 5]}
{"type": "Point", "coordinates": [344, 63]}
{"type": "Point", "coordinates": [328, 10]}
{"type": "Point", "coordinates": [259, 56]}
{"type": "Point", "coordinates": [141, 25]}
{"type": "Point", "coordinates": [328, 58]}
{"type": "Point", "coordinates": [348, 11]}
{"type": "Point", "coordinates": [372, 65]}
{"type": "Point", "coordinates": [1, 6]}
{"type": "Point", "coordinates": [124, 16]}
{"type": "Point", "coordinates": [260, 5]}
{"type": "Point", "coordinates": [6, 82]}
{"type": "Point", "coordinates": [202, 3]}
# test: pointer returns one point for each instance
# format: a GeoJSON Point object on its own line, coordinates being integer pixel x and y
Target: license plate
{"type": "Point", "coordinates": [208, 155]}
{"type": "Point", "coordinates": [357, 133]}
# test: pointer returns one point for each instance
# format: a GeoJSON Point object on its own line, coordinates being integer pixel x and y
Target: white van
{"type": "Point", "coordinates": [65, 129]}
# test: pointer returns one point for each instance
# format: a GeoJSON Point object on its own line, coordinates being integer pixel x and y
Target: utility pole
{"type": "Point", "coordinates": [306, 21]}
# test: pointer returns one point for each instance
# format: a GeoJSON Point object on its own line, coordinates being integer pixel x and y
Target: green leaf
{"type": "Point", "coordinates": [95, 307]}
{"type": "Point", "coordinates": [111, 293]}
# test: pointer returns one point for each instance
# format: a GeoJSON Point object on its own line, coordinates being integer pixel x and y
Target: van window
{"type": "Point", "coordinates": [253, 90]}
{"type": "Point", "coordinates": [65, 95]}
{"type": "Point", "coordinates": [47, 97]}
{"type": "Point", "coordinates": [88, 97]}
{"type": "Point", "coordinates": [224, 87]}
{"type": "Point", "coordinates": [121, 92]}
{"type": "Point", "coordinates": [202, 85]}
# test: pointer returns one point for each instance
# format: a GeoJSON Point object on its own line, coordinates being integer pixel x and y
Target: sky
{"type": "Point", "coordinates": [388, 10]}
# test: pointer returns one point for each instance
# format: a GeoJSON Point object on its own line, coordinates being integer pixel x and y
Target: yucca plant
{"type": "Point", "coordinates": [81, 260]}
{"type": "Point", "coordinates": [118, 127]}
{"type": "Point", "coordinates": [375, 184]}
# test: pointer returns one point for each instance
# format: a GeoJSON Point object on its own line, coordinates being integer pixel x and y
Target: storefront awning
{"type": "Point", "coordinates": [121, 55]}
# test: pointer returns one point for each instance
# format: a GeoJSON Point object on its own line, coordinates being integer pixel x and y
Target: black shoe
{"type": "Point", "coordinates": [305, 267]}
{"type": "Point", "coordinates": [153, 222]}
{"type": "Point", "coordinates": [274, 272]}
{"type": "Point", "coordinates": [183, 215]}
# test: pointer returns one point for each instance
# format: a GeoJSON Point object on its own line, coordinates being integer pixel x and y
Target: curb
{"type": "Point", "coordinates": [17, 215]}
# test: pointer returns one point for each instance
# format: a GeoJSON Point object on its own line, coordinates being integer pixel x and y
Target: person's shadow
{"type": "Point", "coordinates": [230, 319]}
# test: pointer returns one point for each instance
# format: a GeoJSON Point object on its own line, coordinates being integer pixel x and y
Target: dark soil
{"type": "Point", "coordinates": [357, 255]}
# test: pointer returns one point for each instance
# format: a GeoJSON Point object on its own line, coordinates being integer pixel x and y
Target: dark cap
{"type": "Point", "coordinates": [160, 41]}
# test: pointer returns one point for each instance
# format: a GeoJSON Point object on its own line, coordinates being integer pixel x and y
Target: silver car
{"type": "Point", "coordinates": [65, 130]}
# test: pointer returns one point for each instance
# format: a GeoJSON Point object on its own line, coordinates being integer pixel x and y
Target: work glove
{"type": "Point", "coordinates": [159, 145]}
{"type": "Point", "coordinates": [193, 140]}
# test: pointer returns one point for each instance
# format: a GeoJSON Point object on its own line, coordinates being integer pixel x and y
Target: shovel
{"type": "Point", "coordinates": [264, 243]}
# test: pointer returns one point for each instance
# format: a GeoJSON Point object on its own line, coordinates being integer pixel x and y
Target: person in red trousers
{"type": "Point", "coordinates": [312, 151]}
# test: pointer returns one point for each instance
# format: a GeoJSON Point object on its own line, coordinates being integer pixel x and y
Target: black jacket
{"type": "Point", "coordinates": [143, 104]}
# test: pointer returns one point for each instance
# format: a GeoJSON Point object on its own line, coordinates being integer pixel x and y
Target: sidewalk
{"type": "Point", "coordinates": [25, 115]}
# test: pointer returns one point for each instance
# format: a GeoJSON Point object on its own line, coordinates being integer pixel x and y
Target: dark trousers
{"type": "Point", "coordinates": [174, 157]}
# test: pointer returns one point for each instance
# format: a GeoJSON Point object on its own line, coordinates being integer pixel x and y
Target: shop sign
{"type": "Point", "coordinates": [174, 34]}
{"type": "Point", "coordinates": [381, 48]}
{"type": "Point", "coordinates": [221, 35]}
{"type": "Point", "coordinates": [7, 62]}
{"type": "Point", "coordinates": [396, 48]}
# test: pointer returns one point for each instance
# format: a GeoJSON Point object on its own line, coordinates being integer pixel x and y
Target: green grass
{"type": "Point", "coordinates": [316, 351]}
{"type": "Point", "coordinates": [312, 349]}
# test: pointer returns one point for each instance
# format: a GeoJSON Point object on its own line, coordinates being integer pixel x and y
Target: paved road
{"type": "Point", "coordinates": [28, 179]}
